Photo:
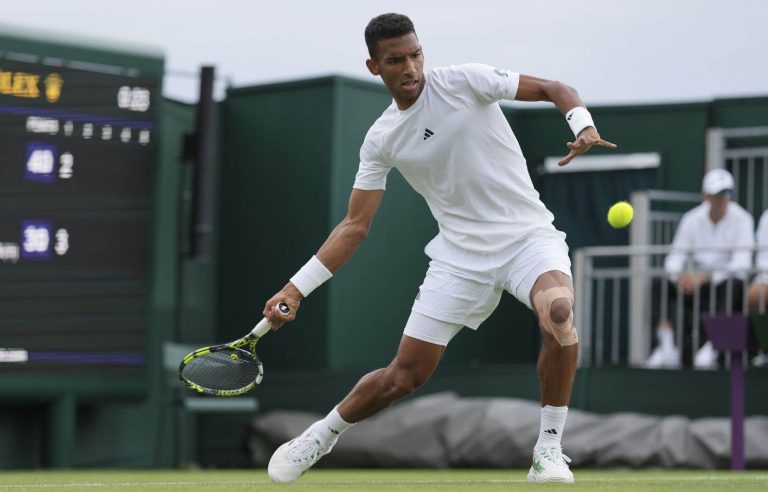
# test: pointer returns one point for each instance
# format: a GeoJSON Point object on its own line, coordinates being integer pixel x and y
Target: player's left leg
{"type": "Point", "coordinates": [552, 300]}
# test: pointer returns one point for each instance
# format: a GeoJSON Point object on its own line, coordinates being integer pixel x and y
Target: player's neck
{"type": "Point", "coordinates": [404, 103]}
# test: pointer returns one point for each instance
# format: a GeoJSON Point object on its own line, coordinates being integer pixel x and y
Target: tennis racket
{"type": "Point", "coordinates": [229, 369]}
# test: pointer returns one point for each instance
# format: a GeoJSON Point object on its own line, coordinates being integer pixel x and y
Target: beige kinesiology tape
{"type": "Point", "coordinates": [565, 332]}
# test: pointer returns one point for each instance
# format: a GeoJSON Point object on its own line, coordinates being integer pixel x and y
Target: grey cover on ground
{"type": "Point", "coordinates": [445, 431]}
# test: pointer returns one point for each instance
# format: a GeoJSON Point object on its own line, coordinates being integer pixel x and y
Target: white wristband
{"type": "Point", "coordinates": [310, 276]}
{"type": "Point", "coordinates": [579, 118]}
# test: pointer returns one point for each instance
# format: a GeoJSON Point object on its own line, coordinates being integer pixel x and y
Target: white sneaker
{"type": "Point", "coordinates": [550, 465]}
{"type": "Point", "coordinates": [291, 460]}
{"type": "Point", "coordinates": [664, 357]}
{"type": "Point", "coordinates": [706, 357]}
{"type": "Point", "coordinates": [760, 360]}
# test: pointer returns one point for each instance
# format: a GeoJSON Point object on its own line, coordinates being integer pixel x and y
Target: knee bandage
{"type": "Point", "coordinates": [565, 332]}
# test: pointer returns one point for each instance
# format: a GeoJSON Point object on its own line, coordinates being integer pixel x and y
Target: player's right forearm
{"type": "Point", "coordinates": [341, 244]}
{"type": "Point", "coordinates": [337, 249]}
{"type": "Point", "coordinates": [352, 231]}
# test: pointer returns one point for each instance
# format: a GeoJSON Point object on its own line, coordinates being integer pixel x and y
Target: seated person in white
{"type": "Point", "coordinates": [758, 289]}
{"type": "Point", "coordinates": [717, 222]}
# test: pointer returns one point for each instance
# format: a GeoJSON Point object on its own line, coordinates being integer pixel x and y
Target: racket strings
{"type": "Point", "coordinates": [223, 370]}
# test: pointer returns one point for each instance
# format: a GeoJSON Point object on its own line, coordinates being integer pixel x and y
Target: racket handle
{"type": "Point", "coordinates": [264, 326]}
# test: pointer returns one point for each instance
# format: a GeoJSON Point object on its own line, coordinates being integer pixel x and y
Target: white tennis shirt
{"type": "Point", "coordinates": [455, 147]}
{"type": "Point", "coordinates": [696, 230]}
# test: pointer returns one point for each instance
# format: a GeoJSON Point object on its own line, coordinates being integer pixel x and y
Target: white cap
{"type": "Point", "coordinates": [716, 181]}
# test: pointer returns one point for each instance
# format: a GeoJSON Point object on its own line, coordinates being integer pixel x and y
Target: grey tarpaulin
{"type": "Point", "coordinates": [443, 430]}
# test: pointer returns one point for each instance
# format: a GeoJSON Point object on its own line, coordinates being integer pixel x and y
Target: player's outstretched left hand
{"type": "Point", "coordinates": [587, 138]}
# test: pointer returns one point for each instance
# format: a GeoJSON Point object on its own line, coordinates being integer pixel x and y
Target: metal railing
{"type": "Point", "coordinates": [657, 213]}
{"type": "Point", "coordinates": [742, 152]}
{"type": "Point", "coordinates": [613, 302]}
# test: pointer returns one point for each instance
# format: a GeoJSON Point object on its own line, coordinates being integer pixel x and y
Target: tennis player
{"type": "Point", "coordinates": [448, 137]}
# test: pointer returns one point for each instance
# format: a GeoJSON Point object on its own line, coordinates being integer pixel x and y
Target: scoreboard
{"type": "Point", "coordinates": [78, 135]}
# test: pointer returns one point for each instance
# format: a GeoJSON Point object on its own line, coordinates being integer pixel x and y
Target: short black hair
{"type": "Point", "coordinates": [386, 26]}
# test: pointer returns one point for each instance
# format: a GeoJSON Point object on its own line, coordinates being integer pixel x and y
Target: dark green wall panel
{"type": "Point", "coordinates": [740, 112]}
{"type": "Point", "coordinates": [276, 150]}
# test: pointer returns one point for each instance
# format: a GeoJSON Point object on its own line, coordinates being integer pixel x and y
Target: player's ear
{"type": "Point", "coordinates": [372, 67]}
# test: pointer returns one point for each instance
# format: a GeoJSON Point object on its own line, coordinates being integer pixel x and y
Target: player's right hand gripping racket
{"type": "Point", "coordinates": [229, 369]}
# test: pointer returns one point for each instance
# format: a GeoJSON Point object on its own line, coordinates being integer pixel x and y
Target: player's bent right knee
{"type": "Point", "coordinates": [560, 311]}
{"type": "Point", "coordinates": [555, 299]}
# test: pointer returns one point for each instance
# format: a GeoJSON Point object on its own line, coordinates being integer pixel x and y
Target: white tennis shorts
{"type": "Point", "coordinates": [463, 289]}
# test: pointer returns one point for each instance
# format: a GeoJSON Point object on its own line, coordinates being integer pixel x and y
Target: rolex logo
{"type": "Point", "coordinates": [53, 83]}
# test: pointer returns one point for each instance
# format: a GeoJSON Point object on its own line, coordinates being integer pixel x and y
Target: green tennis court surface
{"type": "Point", "coordinates": [379, 480]}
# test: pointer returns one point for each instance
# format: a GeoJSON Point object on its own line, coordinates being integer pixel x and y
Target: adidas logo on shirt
{"type": "Point", "coordinates": [428, 133]}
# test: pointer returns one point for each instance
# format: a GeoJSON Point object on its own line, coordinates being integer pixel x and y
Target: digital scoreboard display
{"type": "Point", "coordinates": [77, 165]}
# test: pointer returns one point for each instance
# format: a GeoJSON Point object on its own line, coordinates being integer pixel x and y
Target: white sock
{"type": "Point", "coordinates": [332, 426]}
{"type": "Point", "coordinates": [551, 427]}
{"type": "Point", "coordinates": [666, 337]}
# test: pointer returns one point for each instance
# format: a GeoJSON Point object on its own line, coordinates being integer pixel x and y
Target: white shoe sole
{"type": "Point", "coordinates": [534, 479]}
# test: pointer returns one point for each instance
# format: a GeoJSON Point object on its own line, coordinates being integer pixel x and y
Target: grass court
{"type": "Point", "coordinates": [377, 480]}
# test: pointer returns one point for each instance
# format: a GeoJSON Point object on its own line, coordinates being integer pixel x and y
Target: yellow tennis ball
{"type": "Point", "coordinates": [620, 215]}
